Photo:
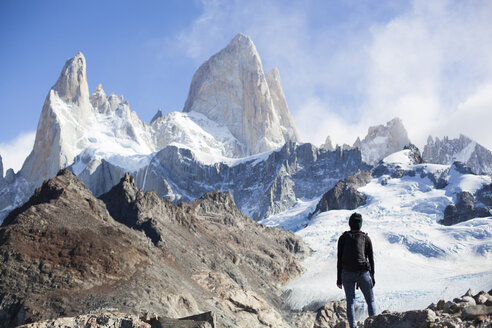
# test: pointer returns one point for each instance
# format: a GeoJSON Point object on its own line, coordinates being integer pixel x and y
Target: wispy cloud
{"type": "Point", "coordinates": [427, 62]}
{"type": "Point", "coordinates": [15, 151]}
{"type": "Point", "coordinates": [347, 65]}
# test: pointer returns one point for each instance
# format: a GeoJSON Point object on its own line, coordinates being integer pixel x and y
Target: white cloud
{"type": "Point", "coordinates": [471, 118]}
{"type": "Point", "coordinates": [428, 61]}
{"type": "Point", "coordinates": [424, 62]}
{"type": "Point", "coordinates": [15, 151]}
{"type": "Point", "coordinates": [317, 122]}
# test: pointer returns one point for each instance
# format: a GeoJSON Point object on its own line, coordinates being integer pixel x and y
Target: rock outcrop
{"type": "Point", "coordinates": [344, 194]}
{"type": "Point", "coordinates": [484, 195]}
{"type": "Point", "coordinates": [383, 140]}
{"type": "Point", "coordinates": [414, 155]}
{"type": "Point", "coordinates": [330, 315]}
{"type": "Point", "coordinates": [65, 255]}
{"type": "Point", "coordinates": [231, 88]}
{"type": "Point", "coordinates": [469, 310]}
{"type": "Point", "coordinates": [462, 149]}
{"type": "Point", "coordinates": [465, 209]}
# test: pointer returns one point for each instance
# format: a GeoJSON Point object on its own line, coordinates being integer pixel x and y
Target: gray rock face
{"type": "Point", "coordinates": [383, 140]}
{"type": "Point", "coordinates": [231, 88]}
{"type": "Point", "coordinates": [280, 104]}
{"type": "Point", "coordinates": [65, 255]}
{"type": "Point", "coordinates": [463, 149]}
{"type": "Point", "coordinates": [1, 168]}
{"type": "Point", "coordinates": [344, 194]}
{"type": "Point", "coordinates": [464, 210]}
{"type": "Point", "coordinates": [415, 156]}
{"type": "Point", "coordinates": [100, 175]}
{"type": "Point", "coordinates": [484, 195]}
{"type": "Point", "coordinates": [260, 186]}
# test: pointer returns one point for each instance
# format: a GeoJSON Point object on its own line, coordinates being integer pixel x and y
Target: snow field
{"type": "Point", "coordinates": [417, 260]}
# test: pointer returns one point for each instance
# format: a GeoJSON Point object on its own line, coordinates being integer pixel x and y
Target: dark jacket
{"type": "Point", "coordinates": [354, 253]}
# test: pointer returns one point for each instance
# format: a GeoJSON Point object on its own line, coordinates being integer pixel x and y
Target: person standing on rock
{"type": "Point", "coordinates": [355, 266]}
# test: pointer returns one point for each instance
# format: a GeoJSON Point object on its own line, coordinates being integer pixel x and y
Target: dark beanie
{"type": "Point", "coordinates": [355, 221]}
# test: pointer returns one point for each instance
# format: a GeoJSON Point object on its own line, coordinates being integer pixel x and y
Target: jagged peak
{"type": "Point", "coordinates": [395, 123]}
{"type": "Point", "coordinates": [273, 73]}
{"type": "Point", "coordinates": [328, 144]}
{"type": "Point", "coordinates": [72, 86]}
{"type": "Point", "coordinates": [98, 92]}
{"type": "Point", "coordinates": [156, 116]}
{"type": "Point", "coordinates": [241, 44]}
{"type": "Point", "coordinates": [99, 89]}
{"type": "Point", "coordinates": [242, 40]}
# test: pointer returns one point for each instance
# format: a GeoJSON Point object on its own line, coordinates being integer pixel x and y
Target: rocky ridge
{"type": "Point", "coordinates": [261, 186]}
{"type": "Point", "coordinates": [462, 149]}
{"type": "Point", "coordinates": [65, 255]}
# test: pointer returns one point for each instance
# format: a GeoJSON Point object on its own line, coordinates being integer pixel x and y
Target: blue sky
{"type": "Point", "coordinates": [344, 65]}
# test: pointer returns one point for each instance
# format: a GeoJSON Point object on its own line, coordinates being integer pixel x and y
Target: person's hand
{"type": "Point", "coordinates": [339, 286]}
{"type": "Point", "coordinates": [373, 281]}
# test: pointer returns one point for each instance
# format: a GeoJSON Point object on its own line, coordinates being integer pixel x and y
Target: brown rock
{"type": "Point", "coordinates": [64, 254]}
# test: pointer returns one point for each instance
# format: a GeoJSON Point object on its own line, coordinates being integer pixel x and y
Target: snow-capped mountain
{"type": "Point", "coordinates": [382, 140]}
{"type": "Point", "coordinates": [100, 138]}
{"type": "Point", "coordinates": [236, 134]}
{"type": "Point", "coordinates": [232, 88]}
{"type": "Point", "coordinates": [418, 260]}
{"type": "Point", "coordinates": [462, 149]}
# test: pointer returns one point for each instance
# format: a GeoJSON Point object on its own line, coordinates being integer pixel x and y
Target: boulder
{"type": "Point", "coordinates": [332, 314]}
{"type": "Point", "coordinates": [344, 194]}
{"type": "Point", "coordinates": [464, 210]}
{"type": "Point", "coordinates": [409, 319]}
{"type": "Point", "coordinates": [475, 311]}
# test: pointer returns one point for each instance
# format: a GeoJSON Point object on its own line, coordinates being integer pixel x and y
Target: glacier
{"type": "Point", "coordinates": [417, 260]}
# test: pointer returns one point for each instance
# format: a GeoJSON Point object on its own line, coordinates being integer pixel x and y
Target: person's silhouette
{"type": "Point", "coordinates": [355, 266]}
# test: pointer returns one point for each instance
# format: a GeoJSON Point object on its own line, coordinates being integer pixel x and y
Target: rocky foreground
{"type": "Point", "coordinates": [470, 310]}
{"type": "Point", "coordinates": [66, 253]}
